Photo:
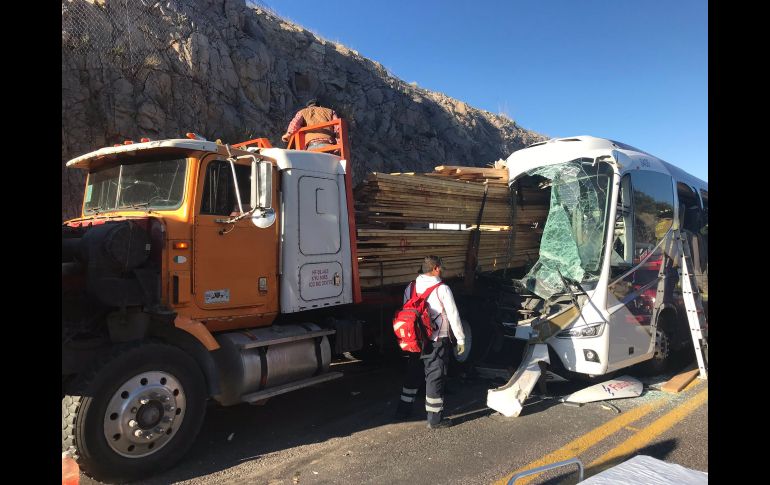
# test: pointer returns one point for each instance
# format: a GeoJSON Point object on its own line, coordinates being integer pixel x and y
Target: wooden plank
{"type": "Point", "coordinates": [679, 381]}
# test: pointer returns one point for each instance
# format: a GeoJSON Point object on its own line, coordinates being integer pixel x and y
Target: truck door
{"type": "Point", "coordinates": [234, 265]}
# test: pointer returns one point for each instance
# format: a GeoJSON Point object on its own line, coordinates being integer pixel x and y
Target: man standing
{"type": "Point", "coordinates": [435, 353]}
{"type": "Point", "coordinates": [311, 115]}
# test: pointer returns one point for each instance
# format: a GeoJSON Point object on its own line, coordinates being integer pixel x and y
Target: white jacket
{"type": "Point", "coordinates": [441, 307]}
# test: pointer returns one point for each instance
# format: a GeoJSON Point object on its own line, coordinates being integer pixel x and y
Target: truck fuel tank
{"type": "Point", "coordinates": [254, 360]}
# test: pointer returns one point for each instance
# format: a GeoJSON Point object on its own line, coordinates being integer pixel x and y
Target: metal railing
{"type": "Point", "coordinates": [544, 468]}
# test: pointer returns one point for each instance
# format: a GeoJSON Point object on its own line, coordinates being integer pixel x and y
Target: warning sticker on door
{"type": "Point", "coordinates": [217, 296]}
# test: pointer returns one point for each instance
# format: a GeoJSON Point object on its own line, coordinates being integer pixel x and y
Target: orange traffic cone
{"type": "Point", "coordinates": [70, 471]}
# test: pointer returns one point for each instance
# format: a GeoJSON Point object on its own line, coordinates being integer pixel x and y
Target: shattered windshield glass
{"type": "Point", "coordinates": [573, 237]}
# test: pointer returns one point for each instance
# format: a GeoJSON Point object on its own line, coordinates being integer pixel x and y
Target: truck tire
{"type": "Point", "coordinates": [468, 331]}
{"type": "Point", "coordinates": [135, 414]}
{"type": "Point", "coordinates": [478, 339]}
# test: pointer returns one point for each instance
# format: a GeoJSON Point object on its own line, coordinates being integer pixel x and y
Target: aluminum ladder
{"type": "Point", "coordinates": [693, 303]}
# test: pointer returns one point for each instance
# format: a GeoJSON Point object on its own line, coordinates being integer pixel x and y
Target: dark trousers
{"type": "Point", "coordinates": [434, 360]}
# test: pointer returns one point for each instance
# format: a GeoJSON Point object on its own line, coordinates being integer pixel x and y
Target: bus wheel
{"type": "Point", "coordinates": [661, 359]}
{"type": "Point", "coordinates": [134, 415]}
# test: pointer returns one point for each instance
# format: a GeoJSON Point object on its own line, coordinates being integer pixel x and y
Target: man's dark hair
{"type": "Point", "coordinates": [430, 263]}
{"type": "Point", "coordinates": [311, 102]}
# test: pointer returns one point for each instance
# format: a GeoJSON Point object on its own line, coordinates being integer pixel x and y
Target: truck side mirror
{"type": "Point", "coordinates": [261, 184]}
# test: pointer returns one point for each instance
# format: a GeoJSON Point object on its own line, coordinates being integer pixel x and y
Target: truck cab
{"type": "Point", "coordinates": [189, 275]}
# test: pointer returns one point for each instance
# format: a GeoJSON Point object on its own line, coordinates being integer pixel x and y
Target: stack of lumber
{"type": "Point", "coordinates": [408, 198]}
{"type": "Point", "coordinates": [393, 212]}
{"type": "Point", "coordinates": [394, 256]}
{"type": "Point", "coordinates": [493, 176]}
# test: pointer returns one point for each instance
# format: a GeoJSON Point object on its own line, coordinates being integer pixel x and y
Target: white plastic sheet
{"type": "Point", "coordinates": [646, 470]}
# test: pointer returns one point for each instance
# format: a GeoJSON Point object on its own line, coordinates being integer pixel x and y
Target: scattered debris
{"type": "Point", "coordinates": [355, 393]}
{"type": "Point", "coordinates": [572, 404]}
{"type": "Point", "coordinates": [610, 407]}
{"type": "Point", "coordinates": [315, 473]}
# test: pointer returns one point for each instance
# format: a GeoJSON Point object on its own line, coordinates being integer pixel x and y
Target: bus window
{"type": "Point", "coordinates": [653, 210]}
{"type": "Point", "coordinates": [622, 245]}
{"type": "Point", "coordinates": [704, 195]}
{"type": "Point", "coordinates": [690, 212]}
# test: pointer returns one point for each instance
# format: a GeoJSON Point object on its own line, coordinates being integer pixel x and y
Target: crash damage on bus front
{"type": "Point", "coordinates": [564, 295]}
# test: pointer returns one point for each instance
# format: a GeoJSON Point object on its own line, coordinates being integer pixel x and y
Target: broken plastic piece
{"type": "Point", "coordinates": [622, 387]}
{"type": "Point", "coordinates": [509, 399]}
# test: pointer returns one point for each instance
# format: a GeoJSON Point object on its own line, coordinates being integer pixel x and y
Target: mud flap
{"type": "Point", "coordinates": [509, 399]}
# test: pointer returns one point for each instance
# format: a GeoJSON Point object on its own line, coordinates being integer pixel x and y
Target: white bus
{"type": "Point", "coordinates": [596, 294]}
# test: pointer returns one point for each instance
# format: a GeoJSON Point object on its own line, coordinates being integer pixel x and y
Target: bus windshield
{"type": "Point", "coordinates": [157, 184]}
{"type": "Point", "coordinates": [572, 244]}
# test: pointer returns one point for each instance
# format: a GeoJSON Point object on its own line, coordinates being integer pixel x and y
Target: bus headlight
{"type": "Point", "coordinates": [586, 331]}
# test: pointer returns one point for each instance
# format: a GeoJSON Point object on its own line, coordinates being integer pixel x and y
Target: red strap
{"type": "Point", "coordinates": [427, 292]}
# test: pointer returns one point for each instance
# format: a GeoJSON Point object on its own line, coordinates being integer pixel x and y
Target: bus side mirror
{"type": "Point", "coordinates": [261, 184]}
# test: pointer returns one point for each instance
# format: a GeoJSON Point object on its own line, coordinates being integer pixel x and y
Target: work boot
{"type": "Point", "coordinates": [402, 412]}
{"type": "Point", "coordinates": [444, 423]}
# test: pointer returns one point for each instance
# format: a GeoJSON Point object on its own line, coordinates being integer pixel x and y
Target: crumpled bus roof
{"type": "Point", "coordinates": [560, 150]}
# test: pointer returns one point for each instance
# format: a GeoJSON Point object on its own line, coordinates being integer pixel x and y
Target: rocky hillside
{"type": "Point", "coordinates": [227, 70]}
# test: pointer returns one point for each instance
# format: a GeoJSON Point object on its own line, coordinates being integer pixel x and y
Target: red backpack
{"type": "Point", "coordinates": [412, 324]}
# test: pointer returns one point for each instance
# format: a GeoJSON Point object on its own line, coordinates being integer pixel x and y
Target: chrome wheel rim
{"type": "Point", "coordinates": [661, 345]}
{"type": "Point", "coordinates": [144, 414]}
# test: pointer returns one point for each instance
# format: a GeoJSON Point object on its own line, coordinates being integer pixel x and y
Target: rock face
{"type": "Point", "coordinates": [226, 70]}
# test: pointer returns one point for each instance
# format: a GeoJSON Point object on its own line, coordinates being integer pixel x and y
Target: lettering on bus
{"type": "Point", "coordinates": [320, 277]}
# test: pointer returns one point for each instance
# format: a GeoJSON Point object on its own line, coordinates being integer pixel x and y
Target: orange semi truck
{"type": "Point", "coordinates": [199, 270]}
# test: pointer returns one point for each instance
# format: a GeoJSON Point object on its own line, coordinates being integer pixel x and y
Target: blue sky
{"type": "Point", "coordinates": [633, 71]}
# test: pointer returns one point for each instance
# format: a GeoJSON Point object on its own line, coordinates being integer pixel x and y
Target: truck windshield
{"type": "Point", "coordinates": [572, 244]}
{"type": "Point", "coordinates": [157, 184]}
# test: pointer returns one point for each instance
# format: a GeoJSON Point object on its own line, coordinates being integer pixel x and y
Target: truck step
{"type": "Point", "coordinates": [291, 386]}
{"type": "Point", "coordinates": [269, 336]}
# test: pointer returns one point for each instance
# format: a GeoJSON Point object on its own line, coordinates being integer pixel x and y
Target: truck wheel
{"type": "Point", "coordinates": [478, 339]}
{"type": "Point", "coordinates": [135, 414]}
{"type": "Point", "coordinates": [468, 331]}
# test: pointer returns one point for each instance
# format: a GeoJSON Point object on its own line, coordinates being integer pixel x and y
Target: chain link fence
{"type": "Point", "coordinates": [127, 32]}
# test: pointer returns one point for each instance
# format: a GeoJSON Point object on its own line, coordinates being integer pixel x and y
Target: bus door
{"type": "Point", "coordinates": [644, 216]}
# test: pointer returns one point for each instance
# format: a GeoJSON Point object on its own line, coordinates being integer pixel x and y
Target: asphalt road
{"type": "Point", "coordinates": [344, 431]}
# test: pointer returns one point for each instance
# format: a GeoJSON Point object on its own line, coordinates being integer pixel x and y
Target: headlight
{"type": "Point", "coordinates": [582, 332]}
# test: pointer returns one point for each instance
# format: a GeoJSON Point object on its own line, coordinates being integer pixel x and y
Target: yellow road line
{"type": "Point", "coordinates": [655, 429]}
{"type": "Point", "coordinates": [582, 443]}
